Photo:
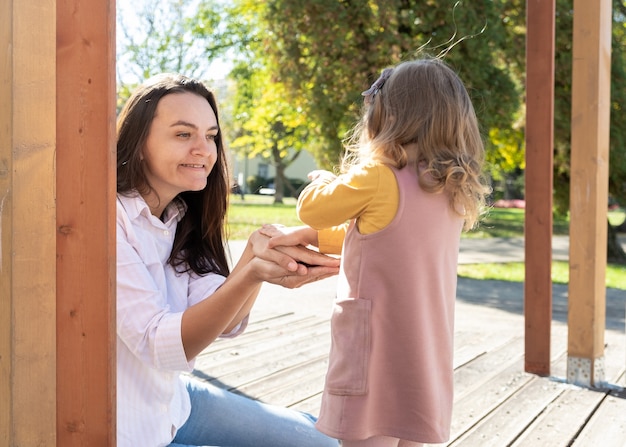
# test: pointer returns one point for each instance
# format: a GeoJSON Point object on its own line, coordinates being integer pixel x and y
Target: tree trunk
{"type": "Point", "coordinates": [615, 252]}
{"type": "Point", "coordinates": [278, 184]}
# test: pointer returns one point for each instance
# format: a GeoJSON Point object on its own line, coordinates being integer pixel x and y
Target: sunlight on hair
{"type": "Point", "coordinates": [451, 42]}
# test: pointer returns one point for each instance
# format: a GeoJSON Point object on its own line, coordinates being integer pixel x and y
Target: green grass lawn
{"type": "Point", "coordinates": [247, 215]}
{"type": "Point", "coordinates": [514, 271]}
{"type": "Point", "coordinates": [509, 222]}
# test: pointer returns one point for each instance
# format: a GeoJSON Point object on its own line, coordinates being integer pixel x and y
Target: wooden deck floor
{"type": "Point", "coordinates": [282, 358]}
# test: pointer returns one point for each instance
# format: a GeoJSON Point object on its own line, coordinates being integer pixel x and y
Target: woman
{"type": "Point", "coordinates": [175, 293]}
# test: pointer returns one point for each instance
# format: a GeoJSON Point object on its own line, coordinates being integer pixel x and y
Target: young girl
{"type": "Point", "coordinates": [411, 182]}
{"type": "Point", "coordinates": [175, 291]}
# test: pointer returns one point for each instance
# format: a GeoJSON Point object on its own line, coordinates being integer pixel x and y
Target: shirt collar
{"type": "Point", "coordinates": [176, 209]}
{"type": "Point", "coordinates": [135, 206]}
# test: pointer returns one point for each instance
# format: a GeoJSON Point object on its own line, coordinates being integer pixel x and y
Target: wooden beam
{"type": "Point", "coordinates": [27, 223]}
{"type": "Point", "coordinates": [538, 187]}
{"type": "Point", "coordinates": [86, 222]}
{"type": "Point", "coordinates": [591, 81]}
{"type": "Point", "coordinates": [6, 221]}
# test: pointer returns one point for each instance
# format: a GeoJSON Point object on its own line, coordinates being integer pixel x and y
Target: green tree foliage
{"type": "Point", "coordinates": [563, 103]}
{"type": "Point", "coordinates": [264, 122]}
{"type": "Point", "coordinates": [617, 163]}
{"type": "Point", "coordinates": [270, 126]}
{"type": "Point", "coordinates": [156, 36]}
{"type": "Point", "coordinates": [317, 56]}
{"type": "Point", "coordinates": [329, 51]}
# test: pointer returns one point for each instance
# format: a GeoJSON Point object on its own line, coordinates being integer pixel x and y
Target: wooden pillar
{"type": "Point", "coordinates": [27, 223]}
{"type": "Point", "coordinates": [86, 222]}
{"type": "Point", "coordinates": [57, 223]}
{"type": "Point", "coordinates": [591, 80]}
{"type": "Point", "coordinates": [6, 240]}
{"type": "Point", "coordinates": [538, 188]}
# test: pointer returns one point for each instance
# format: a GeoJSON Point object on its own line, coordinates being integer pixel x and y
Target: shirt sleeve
{"type": "Point", "coordinates": [145, 322]}
{"type": "Point", "coordinates": [367, 193]}
{"type": "Point", "coordinates": [330, 240]}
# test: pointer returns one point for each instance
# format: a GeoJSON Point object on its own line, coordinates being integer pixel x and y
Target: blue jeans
{"type": "Point", "coordinates": [221, 418]}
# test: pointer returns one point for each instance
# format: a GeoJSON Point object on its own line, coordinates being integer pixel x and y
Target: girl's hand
{"type": "Point", "coordinates": [289, 250]}
{"type": "Point", "coordinates": [281, 235]}
{"type": "Point", "coordinates": [258, 244]}
{"type": "Point", "coordinates": [294, 241]}
{"type": "Point", "coordinates": [320, 173]}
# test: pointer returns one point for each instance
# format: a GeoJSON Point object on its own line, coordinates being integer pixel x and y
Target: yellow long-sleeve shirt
{"type": "Point", "coordinates": [367, 193]}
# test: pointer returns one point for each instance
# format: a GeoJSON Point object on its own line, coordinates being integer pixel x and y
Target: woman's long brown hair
{"type": "Point", "coordinates": [199, 244]}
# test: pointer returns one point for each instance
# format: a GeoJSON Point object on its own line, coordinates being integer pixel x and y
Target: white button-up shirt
{"type": "Point", "coordinates": [152, 402]}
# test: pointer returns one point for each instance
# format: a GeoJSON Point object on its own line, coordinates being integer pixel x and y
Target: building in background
{"type": "Point", "coordinates": [256, 175]}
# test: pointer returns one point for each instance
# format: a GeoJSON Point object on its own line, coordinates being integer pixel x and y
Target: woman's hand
{"type": "Point", "coordinates": [270, 272]}
{"type": "Point", "coordinates": [287, 248]}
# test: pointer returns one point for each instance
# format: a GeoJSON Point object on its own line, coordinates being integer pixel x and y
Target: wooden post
{"type": "Point", "coordinates": [538, 188]}
{"type": "Point", "coordinates": [6, 240]}
{"type": "Point", "coordinates": [27, 223]}
{"type": "Point", "coordinates": [86, 222]}
{"type": "Point", "coordinates": [591, 81]}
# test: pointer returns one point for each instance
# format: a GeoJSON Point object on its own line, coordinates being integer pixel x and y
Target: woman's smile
{"type": "Point", "coordinates": [196, 167]}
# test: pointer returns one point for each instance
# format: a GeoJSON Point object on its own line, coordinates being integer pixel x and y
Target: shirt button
{"type": "Point", "coordinates": [165, 232]}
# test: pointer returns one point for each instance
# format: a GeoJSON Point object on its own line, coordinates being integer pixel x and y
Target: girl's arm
{"type": "Point", "coordinates": [328, 240]}
{"type": "Point", "coordinates": [368, 194]}
{"type": "Point", "coordinates": [329, 201]}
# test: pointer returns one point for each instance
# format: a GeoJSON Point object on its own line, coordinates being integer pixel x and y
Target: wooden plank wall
{"type": "Point", "coordinates": [591, 86]}
{"type": "Point", "coordinates": [57, 217]}
{"type": "Point", "coordinates": [86, 222]}
{"type": "Point", "coordinates": [27, 223]}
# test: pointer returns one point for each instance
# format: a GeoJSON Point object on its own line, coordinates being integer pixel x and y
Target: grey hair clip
{"type": "Point", "coordinates": [377, 85]}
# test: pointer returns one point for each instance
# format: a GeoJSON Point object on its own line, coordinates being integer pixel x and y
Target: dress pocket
{"type": "Point", "coordinates": [350, 347]}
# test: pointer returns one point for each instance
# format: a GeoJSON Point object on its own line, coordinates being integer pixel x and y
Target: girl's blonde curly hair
{"type": "Point", "coordinates": [420, 111]}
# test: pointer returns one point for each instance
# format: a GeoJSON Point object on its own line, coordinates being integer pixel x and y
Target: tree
{"type": "Point", "coordinates": [326, 53]}
{"type": "Point", "coordinates": [156, 36]}
{"type": "Point", "coordinates": [264, 122]}
{"type": "Point", "coordinates": [271, 127]}
{"type": "Point", "coordinates": [562, 130]}
{"type": "Point", "coordinates": [617, 172]}
{"type": "Point", "coordinates": [563, 98]}
{"type": "Point", "coordinates": [329, 52]}
{"type": "Point", "coordinates": [315, 57]}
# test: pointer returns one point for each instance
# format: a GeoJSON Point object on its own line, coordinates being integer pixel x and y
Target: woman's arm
{"type": "Point", "coordinates": [220, 312]}
{"type": "Point", "coordinates": [226, 308]}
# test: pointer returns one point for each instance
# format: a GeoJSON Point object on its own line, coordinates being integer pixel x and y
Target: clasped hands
{"type": "Point", "coordinates": [287, 260]}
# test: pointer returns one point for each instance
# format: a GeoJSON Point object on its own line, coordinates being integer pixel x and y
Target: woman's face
{"type": "Point", "coordinates": [180, 150]}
